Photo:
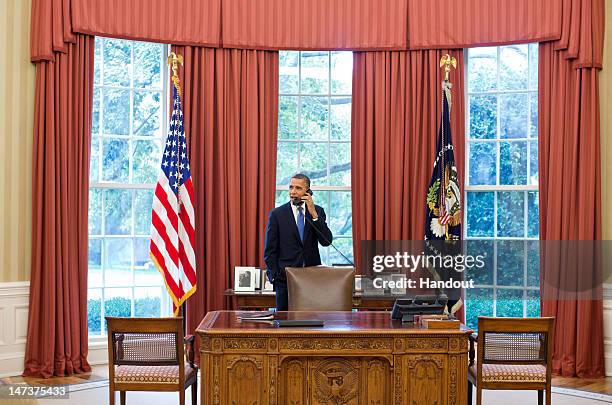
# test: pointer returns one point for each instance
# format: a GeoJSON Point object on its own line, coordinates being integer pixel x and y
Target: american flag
{"type": "Point", "coordinates": [173, 219]}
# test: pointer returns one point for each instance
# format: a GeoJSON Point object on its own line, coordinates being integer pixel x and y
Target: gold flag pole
{"type": "Point", "coordinates": [173, 62]}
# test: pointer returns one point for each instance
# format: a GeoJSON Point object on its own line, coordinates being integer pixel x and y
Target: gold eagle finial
{"type": "Point", "coordinates": [447, 61]}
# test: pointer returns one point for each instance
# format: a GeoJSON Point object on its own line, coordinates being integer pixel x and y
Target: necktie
{"type": "Point", "coordinates": [300, 223]}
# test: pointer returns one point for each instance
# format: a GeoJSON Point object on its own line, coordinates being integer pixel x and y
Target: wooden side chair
{"type": "Point", "coordinates": [513, 354]}
{"type": "Point", "coordinates": [148, 354]}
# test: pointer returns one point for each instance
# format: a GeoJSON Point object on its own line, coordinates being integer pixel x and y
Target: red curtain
{"type": "Point", "coordinates": [570, 209]}
{"type": "Point", "coordinates": [456, 24]}
{"type": "Point", "coordinates": [231, 117]}
{"type": "Point", "coordinates": [315, 24]}
{"type": "Point", "coordinates": [397, 102]}
{"type": "Point", "coordinates": [321, 24]}
{"type": "Point", "coordinates": [180, 22]}
{"type": "Point", "coordinates": [57, 324]}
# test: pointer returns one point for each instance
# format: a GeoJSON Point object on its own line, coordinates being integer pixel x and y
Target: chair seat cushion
{"type": "Point", "coordinates": [534, 373]}
{"type": "Point", "coordinates": [151, 374]}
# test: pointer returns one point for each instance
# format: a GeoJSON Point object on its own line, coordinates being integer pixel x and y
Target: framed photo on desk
{"type": "Point", "coordinates": [245, 278]}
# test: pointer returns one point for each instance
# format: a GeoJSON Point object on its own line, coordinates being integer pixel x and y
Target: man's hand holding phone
{"type": "Point", "coordinates": [307, 198]}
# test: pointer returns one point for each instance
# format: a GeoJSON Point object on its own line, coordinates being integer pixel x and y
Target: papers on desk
{"type": "Point", "coordinates": [255, 315]}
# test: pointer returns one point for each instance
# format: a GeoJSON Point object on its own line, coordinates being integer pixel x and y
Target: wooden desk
{"type": "Point", "coordinates": [357, 358]}
{"type": "Point", "coordinates": [245, 301]}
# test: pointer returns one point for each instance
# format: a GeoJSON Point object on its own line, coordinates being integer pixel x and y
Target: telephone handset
{"type": "Point", "coordinates": [298, 201]}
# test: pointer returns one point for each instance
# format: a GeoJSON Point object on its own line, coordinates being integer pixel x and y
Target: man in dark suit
{"type": "Point", "coordinates": [293, 235]}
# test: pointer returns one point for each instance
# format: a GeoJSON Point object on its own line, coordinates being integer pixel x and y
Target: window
{"type": "Point", "coordinates": [129, 118]}
{"type": "Point", "coordinates": [502, 179]}
{"type": "Point", "coordinates": [314, 137]}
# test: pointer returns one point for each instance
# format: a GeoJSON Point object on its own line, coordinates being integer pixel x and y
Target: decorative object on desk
{"type": "Point", "coordinates": [245, 278]}
{"type": "Point", "coordinates": [267, 286]}
{"type": "Point", "coordinates": [357, 286]}
{"type": "Point", "coordinates": [398, 278]}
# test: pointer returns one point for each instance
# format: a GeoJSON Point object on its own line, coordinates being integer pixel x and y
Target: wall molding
{"type": "Point", "coordinates": [14, 304]}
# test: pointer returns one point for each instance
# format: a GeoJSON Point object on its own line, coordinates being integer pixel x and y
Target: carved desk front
{"type": "Point", "coordinates": [357, 358]}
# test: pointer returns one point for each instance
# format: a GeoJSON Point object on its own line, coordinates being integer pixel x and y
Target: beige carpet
{"type": "Point", "coordinates": [100, 396]}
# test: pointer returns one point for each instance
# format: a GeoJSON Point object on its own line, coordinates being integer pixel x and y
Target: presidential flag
{"type": "Point", "coordinates": [443, 220]}
{"type": "Point", "coordinates": [443, 217]}
{"type": "Point", "coordinates": [173, 219]}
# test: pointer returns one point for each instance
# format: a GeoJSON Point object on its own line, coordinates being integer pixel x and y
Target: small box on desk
{"type": "Point", "coordinates": [441, 323]}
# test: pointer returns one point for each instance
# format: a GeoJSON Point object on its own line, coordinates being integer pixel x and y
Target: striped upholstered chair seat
{"type": "Point", "coordinates": [519, 373]}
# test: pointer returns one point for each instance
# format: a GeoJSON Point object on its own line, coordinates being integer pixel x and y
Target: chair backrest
{"type": "Point", "coordinates": [320, 288]}
{"type": "Point", "coordinates": [515, 340]}
{"type": "Point", "coordinates": [145, 341]}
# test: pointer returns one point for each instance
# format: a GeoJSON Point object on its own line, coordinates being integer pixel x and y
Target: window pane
{"type": "Point", "coordinates": [341, 72]}
{"type": "Point", "coordinates": [145, 272]}
{"type": "Point", "coordinates": [340, 169]}
{"type": "Point", "coordinates": [147, 302]}
{"type": "Point", "coordinates": [287, 117]}
{"type": "Point", "coordinates": [117, 261]}
{"type": "Point", "coordinates": [288, 71]}
{"type": "Point", "coordinates": [482, 69]}
{"type": "Point", "coordinates": [115, 160]}
{"type": "Point", "coordinates": [314, 115]}
{"type": "Point", "coordinates": [95, 212]}
{"type": "Point", "coordinates": [94, 311]}
{"type": "Point", "coordinates": [509, 303]}
{"type": "Point", "coordinates": [117, 62]}
{"type": "Point", "coordinates": [94, 262]}
{"type": "Point", "coordinates": [533, 303]}
{"type": "Point", "coordinates": [146, 162]}
{"type": "Point", "coordinates": [510, 262]}
{"type": "Point", "coordinates": [483, 163]}
{"type": "Point", "coordinates": [533, 115]}
{"type": "Point", "coordinates": [533, 163]}
{"type": "Point", "coordinates": [147, 65]}
{"type": "Point", "coordinates": [533, 263]}
{"type": "Point", "coordinates": [118, 212]}
{"type": "Point", "coordinates": [482, 275]}
{"type": "Point", "coordinates": [513, 62]}
{"type": "Point", "coordinates": [143, 203]}
{"type": "Point", "coordinates": [483, 117]}
{"type": "Point", "coordinates": [340, 222]}
{"type": "Point", "coordinates": [116, 112]}
{"type": "Point", "coordinates": [118, 302]}
{"type": "Point", "coordinates": [344, 245]}
{"type": "Point", "coordinates": [282, 197]}
{"type": "Point", "coordinates": [97, 59]}
{"type": "Point", "coordinates": [533, 66]}
{"type": "Point", "coordinates": [147, 113]}
{"type": "Point", "coordinates": [513, 163]}
{"type": "Point", "coordinates": [340, 118]}
{"type": "Point", "coordinates": [513, 115]}
{"type": "Point", "coordinates": [95, 120]}
{"type": "Point", "coordinates": [479, 302]}
{"type": "Point", "coordinates": [94, 160]}
{"type": "Point", "coordinates": [315, 72]}
{"type": "Point", "coordinates": [510, 214]}
{"type": "Point", "coordinates": [286, 162]}
{"type": "Point", "coordinates": [314, 158]}
{"type": "Point", "coordinates": [533, 211]}
{"type": "Point", "coordinates": [480, 214]}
